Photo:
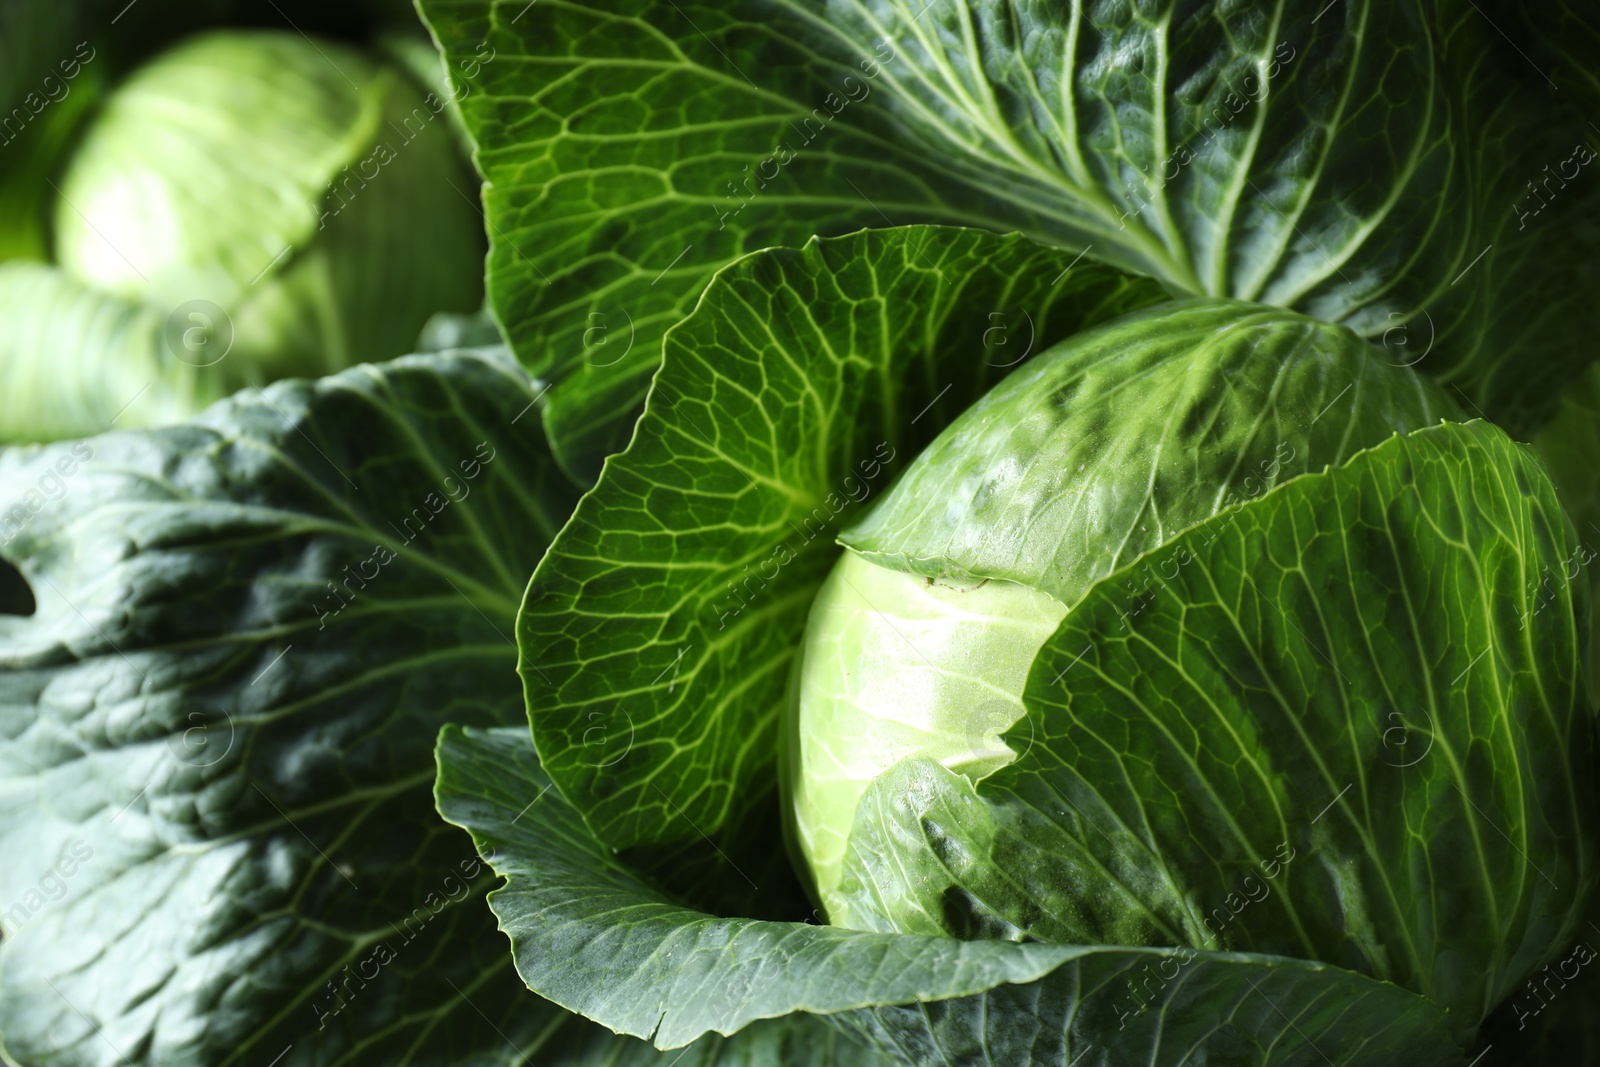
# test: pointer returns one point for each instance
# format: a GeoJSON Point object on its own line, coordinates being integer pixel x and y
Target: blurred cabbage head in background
{"type": "Point", "coordinates": [246, 206]}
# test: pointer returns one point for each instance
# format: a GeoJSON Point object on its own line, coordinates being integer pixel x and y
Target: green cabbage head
{"type": "Point", "coordinates": [1146, 680]}
{"type": "Point", "coordinates": [281, 206]}
{"type": "Point", "coordinates": [1208, 627]}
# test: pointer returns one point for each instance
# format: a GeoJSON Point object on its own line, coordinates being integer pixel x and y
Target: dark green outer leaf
{"type": "Point", "coordinates": [1555, 1022]}
{"type": "Point", "coordinates": [1563, 49]}
{"type": "Point", "coordinates": [591, 935]}
{"type": "Point", "coordinates": [1559, 46]}
{"type": "Point", "coordinates": [1122, 437]}
{"type": "Point", "coordinates": [1525, 325]}
{"type": "Point", "coordinates": [1360, 163]}
{"type": "Point", "coordinates": [607, 134]}
{"type": "Point", "coordinates": [246, 766]}
{"type": "Point", "coordinates": [1570, 447]}
{"type": "Point", "coordinates": [1340, 700]}
{"type": "Point", "coordinates": [792, 1041]}
{"type": "Point", "coordinates": [657, 634]}
{"type": "Point", "coordinates": [1550, 1017]}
